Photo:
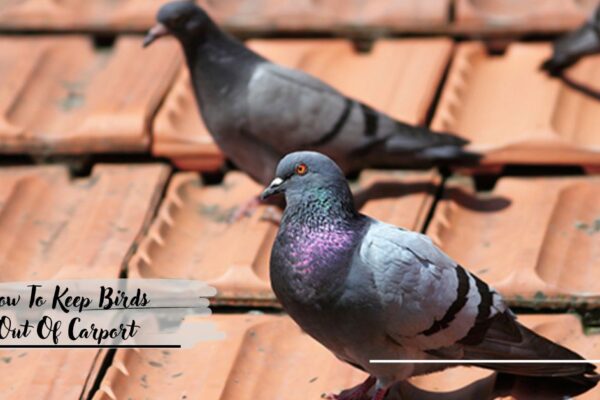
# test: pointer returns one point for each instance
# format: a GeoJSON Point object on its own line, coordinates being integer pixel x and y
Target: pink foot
{"type": "Point", "coordinates": [357, 393]}
{"type": "Point", "coordinates": [245, 210]}
{"type": "Point", "coordinates": [380, 394]}
{"type": "Point", "coordinates": [272, 214]}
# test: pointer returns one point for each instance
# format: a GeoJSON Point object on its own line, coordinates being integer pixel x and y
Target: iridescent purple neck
{"type": "Point", "coordinates": [316, 247]}
{"type": "Point", "coordinates": [319, 226]}
{"type": "Point", "coordinates": [317, 237]}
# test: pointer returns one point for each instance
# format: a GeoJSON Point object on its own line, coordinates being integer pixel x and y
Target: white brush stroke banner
{"type": "Point", "coordinates": [106, 313]}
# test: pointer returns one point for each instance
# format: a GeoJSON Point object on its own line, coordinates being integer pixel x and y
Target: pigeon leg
{"type": "Point", "coordinates": [245, 210]}
{"type": "Point", "coordinates": [357, 393]}
{"type": "Point", "coordinates": [381, 393]}
{"type": "Point", "coordinates": [271, 214]}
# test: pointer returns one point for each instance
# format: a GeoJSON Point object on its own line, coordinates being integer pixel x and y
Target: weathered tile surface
{"type": "Point", "coordinates": [536, 240]}
{"type": "Point", "coordinates": [238, 15]}
{"type": "Point", "coordinates": [522, 15]}
{"type": "Point", "coordinates": [55, 227]}
{"type": "Point", "coordinates": [61, 95]}
{"type": "Point", "coordinates": [514, 113]}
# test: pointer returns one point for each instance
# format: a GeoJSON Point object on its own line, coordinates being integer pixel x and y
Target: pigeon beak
{"type": "Point", "coordinates": [273, 189]}
{"type": "Point", "coordinates": [157, 31]}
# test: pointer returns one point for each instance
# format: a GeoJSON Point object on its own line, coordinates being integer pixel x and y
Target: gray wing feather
{"type": "Point", "coordinates": [304, 108]}
{"type": "Point", "coordinates": [417, 284]}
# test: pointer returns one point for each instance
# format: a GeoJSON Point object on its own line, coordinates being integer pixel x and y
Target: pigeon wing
{"type": "Point", "coordinates": [292, 110]}
{"type": "Point", "coordinates": [313, 115]}
{"type": "Point", "coordinates": [433, 304]}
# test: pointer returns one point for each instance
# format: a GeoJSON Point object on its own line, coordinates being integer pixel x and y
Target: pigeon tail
{"type": "Point", "coordinates": [554, 67]}
{"type": "Point", "coordinates": [550, 66]}
{"type": "Point", "coordinates": [441, 148]}
{"type": "Point", "coordinates": [450, 155]}
{"type": "Point", "coordinates": [569, 49]}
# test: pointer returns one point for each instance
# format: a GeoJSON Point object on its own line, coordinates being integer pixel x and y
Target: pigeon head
{"type": "Point", "coordinates": [182, 18]}
{"type": "Point", "coordinates": [307, 176]}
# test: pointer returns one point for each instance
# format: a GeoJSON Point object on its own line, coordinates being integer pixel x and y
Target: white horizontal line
{"type": "Point", "coordinates": [484, 361]}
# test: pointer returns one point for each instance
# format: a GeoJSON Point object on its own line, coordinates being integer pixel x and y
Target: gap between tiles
{"type": "Point", "coordinates": [430, 113]}
{"type": "Point", "coordinates": [104, 42]}
{"type": "Point", "coordinates": [100, 374]}
{"type": "Point", "coordinates": [439, 193]}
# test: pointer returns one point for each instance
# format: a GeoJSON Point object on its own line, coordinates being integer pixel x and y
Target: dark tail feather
{"type": "Point", "coordinates": [553, 67]}
{"type": "Point", "coordinates": [420, 147]}
{"type": "Point", "coordinates": [449, 155]}
{"type": "Point", "coordinates": [449, 150]}
{"type": "Point", "coordinates": [542, 388]}
{"type": "Point", "coordinates": [451, 139]}
{"type": "Point", "coordinates": [570, 48]}
{"type": "Point", "coordinates": [507, 339]}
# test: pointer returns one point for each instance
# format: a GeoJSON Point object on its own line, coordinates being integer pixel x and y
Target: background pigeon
{"type": "Point", "coordinates": [369, 290]}
{"type": "Point", "coordinates": [568, 49]}
{"type": "Point", "coordinates": [258, 111]}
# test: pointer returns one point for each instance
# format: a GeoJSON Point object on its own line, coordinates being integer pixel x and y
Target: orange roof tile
{"type": "Point", "coordinates": [514, 113]}
{"type": "Point", "coordinates": [55, 227]}
{"type": "Point", "coordinates": [522, 15]}
{"type": "Point", "coordinates": [54, 374]}
{"type": "Point", "coordinates": [533, 239]}
{"type": "Point", "coordinates": [244, 15]}
{"type": "Point", "coordinates": [60, 95]}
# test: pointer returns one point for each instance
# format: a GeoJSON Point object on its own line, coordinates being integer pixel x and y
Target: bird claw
{"type": "Point", "coordinates": [244, 210]}
{"type": "Point", "coordinates": [380, 394]}
{"type": "Point", "coordinates": [353, 395]}
{"type": "Point", "coordinates": [359, 392]}
{"type": "Point", "coordinates": [272, 214]}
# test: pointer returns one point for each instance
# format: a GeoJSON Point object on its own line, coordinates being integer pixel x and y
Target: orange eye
{"type": "Point", "coordinates": [301, 169]}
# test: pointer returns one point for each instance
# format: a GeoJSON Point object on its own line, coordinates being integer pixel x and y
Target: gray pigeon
{"type": "Point", "coordinates": [258, 111]}
{"type": "Point", "coordinates": [568, 49]}
{"type": "Point", "coordinates": [369, 290]}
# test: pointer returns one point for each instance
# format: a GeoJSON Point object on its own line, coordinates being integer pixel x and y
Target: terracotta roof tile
{"type": "Point", "coordinates": [266, 349]}
{"type": "Point", "coordinates": [533, 239]}
{"type": "Point", "coordinates": [522, 15]}
{"type": "Point", "coordinates": [329, 15]}
{"type": "Point", "coordinates": [54, 374]}
{"type": "Point", "coordinates": [244, 15]}
{"type": "Point", "coordinates": [397, 76]}
{"type": "Point", "coordinates": [54, 227]}
{"type": "Point", "coordinates": [78, 15]}
{"type": "Point", "coordinates": [61, 95]}
{"type": "Point", "coordinates": [189, 235]}
{"type": "Point", "coordinates": [269, 357]}
{"type": "Point", "coordinates": [514, 113]}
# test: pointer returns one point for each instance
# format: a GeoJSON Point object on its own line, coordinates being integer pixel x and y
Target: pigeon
{"type": "Point", "coordinates": [258, 111]}
{"type": "Point", "coordinates": [570, 48]}
{"type": "Point", "coordinates": [368, 290]}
